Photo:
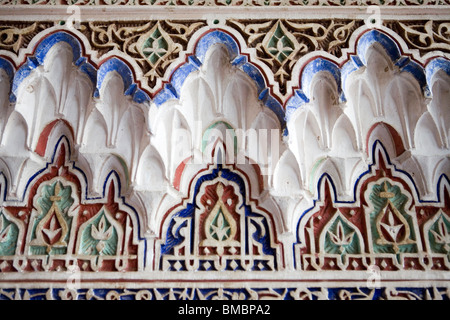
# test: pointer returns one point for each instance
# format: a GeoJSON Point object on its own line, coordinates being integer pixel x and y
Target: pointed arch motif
{"type": "Point", "coordinates": [387, 225]}
{"type": "Point", "coordinates": [217, 38]}
{"type": "Point", "coordinates": [48, 228]}
{"type": "Point", "coordinates": [218, 228]}
{"type": "Point", "coordinates": [99, 140]}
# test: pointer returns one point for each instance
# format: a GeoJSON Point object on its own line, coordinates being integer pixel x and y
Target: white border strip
{"type": "Point", "coordinates": [145, 13]}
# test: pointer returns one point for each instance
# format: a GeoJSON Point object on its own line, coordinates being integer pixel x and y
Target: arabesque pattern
{"type": "Point", "coordinates": [267, 153]}
{"type": "Point", "coordinates": [201, 3]}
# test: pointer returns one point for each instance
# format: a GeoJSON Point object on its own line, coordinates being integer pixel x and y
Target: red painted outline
{"type": "Point", "coordinates": [41, 145]}
{"type": "Point", "coordinates": [269, 86]}
{"type": "Point", "coordinates": [398, 142]}
{"type": "Point", "coordinates": [247, 182]}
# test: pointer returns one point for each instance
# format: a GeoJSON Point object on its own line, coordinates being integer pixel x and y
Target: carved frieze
{"type": "Point", "coordinates": [196, 151]}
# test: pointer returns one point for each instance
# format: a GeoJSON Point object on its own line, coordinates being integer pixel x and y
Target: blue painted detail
{"type": "Point", "coordinates": [374, 36]}
{"type": "Point", "coordinates": [239, 61]}
{"type": "Point", "coordinates": [47, 43]}
{"type": "Point", "coordinates": [3, 186]}
{"type": "Point", "coordinates": [377, 146]}
{"type": "Point", "coordinates": [350, 66]}
{"type": "Point", "coordinates": [180, 75]}
{"type": "Point", "coordinates": [96, 76]}
{"type": "Point", "coordinates": [130, 87]}
{"type": "Point", "coordinates": [295, 102]}
{"type": "Point", "coordinates": [194, 61]}
{"type": "Point", "coordinates": [8, 68]}
{"type": "Point", "coordinates": [418, 72]}
{"type": "Point", "coordinates": [302, 96]}
{"type": "Point", "coordinates": [165, 95]}
{"type": "Point", "coordinates": [273, 104]}
{"type": "Point", "coordinates": [442, 180]}
{"type": "Point", "coordinates": [20, 75]}
{"type": "Point", "coordinates": [130, 90]}
{"type": "Point", "coordinates": [140, 96]}
{"type": "Point", "coordinates": [40, 54]}
{"type": "Point", "coordinates": [316, 66]}
{"type": "Point", "coordinates": [402, 62]}
{"type": "Point", "coordinates": [263, 95]}
{"type": "Point", "coordinates": [216, 37]}
{"type": "Point", "coordinates": [115, 64]}
{"type": "Point", "coordinates": [174, 237]}
{"type": "Point", "coordinates": [374, 293]}
{"type": "Point", "coordinates": [213, 293]}
{"type": "Point", "coordinates": [434, 66]}
{"type": "Point", "coordinates": [172, 90]}
{"type": "Point", "coordinates": [87, 68]}
{"type": "Point", "coordinates": [32, 62]}
{"type": "Point", "coordinates": [356, 61]}
{"type": "Point", "coordinates": [80, 61]}
{"type": "Point", "coordinates": [255, 75]}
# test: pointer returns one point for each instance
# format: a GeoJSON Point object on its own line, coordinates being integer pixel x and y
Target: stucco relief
{"type": "Point", "coordinates": [303, 150]}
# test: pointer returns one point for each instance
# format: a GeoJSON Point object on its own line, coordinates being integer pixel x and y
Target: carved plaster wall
{"type": "Point", "coordinates": [239, 150]}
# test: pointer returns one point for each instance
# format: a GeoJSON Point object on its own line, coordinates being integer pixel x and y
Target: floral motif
{"type": "Point", "coordinates": [9, 234]}
{"type": "Point", "coordinates": [426, 35]}
{"type": "Point", "coordinates": [220, 232]}
{"type": "Point", "coordinates": [390, 224]}
{"type": "Point", "coordinates": [156, 46]}
{"type": "Point", "coordinates": [280, 43]}
{"type": "Point", "coordinates": [153, 45]}
{"type": "Point", "coordinates": [341, 238]}
{"type": "Point", "coordinates": [16, 35]}
{"type": "Point", "coordinates": [439, 234]}
{"type": "Point", "coordinates": [52, 224]}
{"type": "Point", "coordinates": [389, 220]}
{"type": "Point", "coordinates": [220, 226]}
{"type": "Point", "coordinates": [99, 236]}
